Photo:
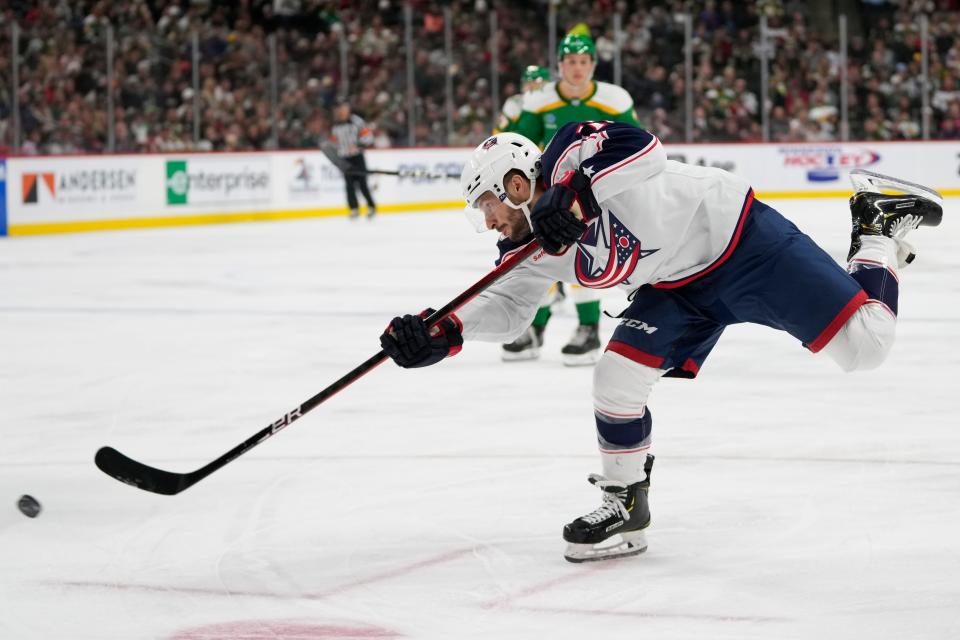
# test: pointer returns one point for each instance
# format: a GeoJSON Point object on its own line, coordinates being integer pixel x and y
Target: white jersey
{"type": "Point", "coordinates": [663, 223]}
{"type": "Point", "coordinates": [511, 111]}
{"type": "Point", "coordinates": [513, 107]}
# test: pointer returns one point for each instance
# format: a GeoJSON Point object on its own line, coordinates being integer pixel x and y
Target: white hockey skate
{"type": "Point", "coordinates": [887, 206]}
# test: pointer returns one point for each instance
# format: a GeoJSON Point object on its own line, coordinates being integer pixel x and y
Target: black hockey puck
{"type": "Point", "coordinates": [28, 506]}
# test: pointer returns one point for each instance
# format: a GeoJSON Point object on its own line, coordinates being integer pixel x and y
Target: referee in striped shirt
{"type": "Point", "coordinates": [351, 135]}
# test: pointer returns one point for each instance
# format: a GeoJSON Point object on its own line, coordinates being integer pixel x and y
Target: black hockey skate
{"type": "Point", "coordinates": [618, 527]}
{"type": "Point", "coordinates": [526, 347]}
{"type": "Point", "coordinates": [876, 211]}
{"type": "Point", "coordinates": [583, 348]}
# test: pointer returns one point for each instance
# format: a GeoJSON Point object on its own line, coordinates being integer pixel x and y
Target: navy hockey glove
{"type": "Point", "coordinates": [408, 341]}
{"type": "Point", "coordinates": [554, 224]}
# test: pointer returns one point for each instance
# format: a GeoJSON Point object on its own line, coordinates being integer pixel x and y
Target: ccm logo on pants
{"type": "Point", "coordinates": [637, 324]}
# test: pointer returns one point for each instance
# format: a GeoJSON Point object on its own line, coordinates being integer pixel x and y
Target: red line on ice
{"type": "Point", "coordinates": [377, 577]}
{"type": "Point", "coordinates": [506, 600]}
{"type": "Point", "coordinates": [653, 614]}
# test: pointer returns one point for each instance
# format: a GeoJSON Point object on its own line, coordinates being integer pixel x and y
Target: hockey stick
{"type": "Point", "coordinates": [330, 152]}
{"type": "Point", "coordinates": [412, 173]}
{"type": "Point", "coordinates": [169, 483]}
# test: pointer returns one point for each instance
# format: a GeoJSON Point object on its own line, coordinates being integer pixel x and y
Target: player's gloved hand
{"type": "Point", "coordinates": [554, 223]}
{"type": "Point", "coordinates": [408, 341]}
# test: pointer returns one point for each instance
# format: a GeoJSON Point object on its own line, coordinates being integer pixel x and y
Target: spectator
{"type": "Point", "coordinates": [63, 74]}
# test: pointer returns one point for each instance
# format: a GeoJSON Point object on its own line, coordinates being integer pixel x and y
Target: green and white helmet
{"type": "Point", "coordinates": [577, 43]}
{"type": "Point", "coordinates": [485, 170]}
{"type": "Point", "coordinates": [533, 72]}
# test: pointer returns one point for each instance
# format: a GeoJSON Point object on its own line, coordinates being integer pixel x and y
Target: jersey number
{"type": "Point", "coordinates": [592, 126]}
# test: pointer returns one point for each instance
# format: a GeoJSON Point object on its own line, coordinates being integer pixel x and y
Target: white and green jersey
{"type": "Point", "coordinates": [510, 113]}
{"type": "Point", "coordinates": [546, 110]}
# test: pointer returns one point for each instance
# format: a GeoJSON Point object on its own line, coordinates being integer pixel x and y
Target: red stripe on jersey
{"type": "Point", "coordinates": [848, 310]}
{"type": "Point", "coordinates": [734, 241]}
{"type": "Point", "coordinates": [691, 366]}
{"type": "Point", "coordinates": [614, 414]}
{"type": "Point", "coordinates": [613, 452]}
{"type": "Point", "coordinates": [566, 152]}
{"type": "Point", "coordinates": [650, 147]}
{"type": "Point", "coordinates": [632, 353]}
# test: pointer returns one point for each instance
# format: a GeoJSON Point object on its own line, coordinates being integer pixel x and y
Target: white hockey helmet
{"type": "Point", "coordinates": [487, 166]}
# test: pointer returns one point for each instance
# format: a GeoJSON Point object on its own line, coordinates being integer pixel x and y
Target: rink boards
{"type": "Point", "coordinates": [57, 194]}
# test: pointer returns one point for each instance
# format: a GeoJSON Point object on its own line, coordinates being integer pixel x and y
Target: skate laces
{"type": "Point", "coordinates": [898, 231]}
{"type": "Point", "coordinates": [614, 495]}
{"type": "Point", "coordinates": [903, 225]}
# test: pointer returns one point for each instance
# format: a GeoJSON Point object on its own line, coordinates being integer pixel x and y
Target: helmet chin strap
{"type": "Point", "coordinates": [526, 214]}
{"type": "Point", "coordinates": [524, 206]}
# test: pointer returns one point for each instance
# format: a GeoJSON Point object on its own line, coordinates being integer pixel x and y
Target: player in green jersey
{"type": "Point", "coordinates": [576, 97]}
{"type": "Point", "coordinates": [532, 79]}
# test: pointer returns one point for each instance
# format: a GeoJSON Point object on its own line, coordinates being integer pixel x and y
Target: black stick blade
{"type": "Point", "coordinates": [136, 474]}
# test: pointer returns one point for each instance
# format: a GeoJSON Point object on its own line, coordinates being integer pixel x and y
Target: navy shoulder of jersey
{"type": "Point", "coordinates": [505, 245]}
{"type": "Point", "coordinates": [620, 141]}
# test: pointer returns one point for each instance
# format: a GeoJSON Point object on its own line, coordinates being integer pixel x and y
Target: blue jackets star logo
{"type": "Point", "coordinates": [624, 251]}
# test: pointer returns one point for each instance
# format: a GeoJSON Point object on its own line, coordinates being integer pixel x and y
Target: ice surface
{"type": "Point", "coordinates": [789, 500]}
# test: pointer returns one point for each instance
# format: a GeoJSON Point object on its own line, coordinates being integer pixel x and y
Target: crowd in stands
{"type": "Point", "coordinates": [63, 71]}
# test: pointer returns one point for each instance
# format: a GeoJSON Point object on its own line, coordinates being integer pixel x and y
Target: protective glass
{"type": "Point", "coordinates": [478, 211]}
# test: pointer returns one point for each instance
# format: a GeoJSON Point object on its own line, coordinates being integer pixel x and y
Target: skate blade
{"type": "Point", "coordinates": [869, 181]}
{"type": "Point", "coordinates": [629, 544]}
{"type": "Point", "coordinates": [519, 356]}
{"type": "Point", "coordinates": [581, 359]}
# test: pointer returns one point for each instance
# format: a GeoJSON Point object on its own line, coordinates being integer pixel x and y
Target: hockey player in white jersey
{"type": "Point", "coordinates": [694, 252]}
{"type": "Point", "coordinates": [575, 97]}
{"type": "Point", "coordinates": [532, 79]}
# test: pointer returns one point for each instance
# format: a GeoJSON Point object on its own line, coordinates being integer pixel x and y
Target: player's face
{"type": "Point", "coordinates": [577, 68]}
{"type": "Point", "coordinates": [532, 85]}
{"type": "Point", "coordinates": [502, 217]}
